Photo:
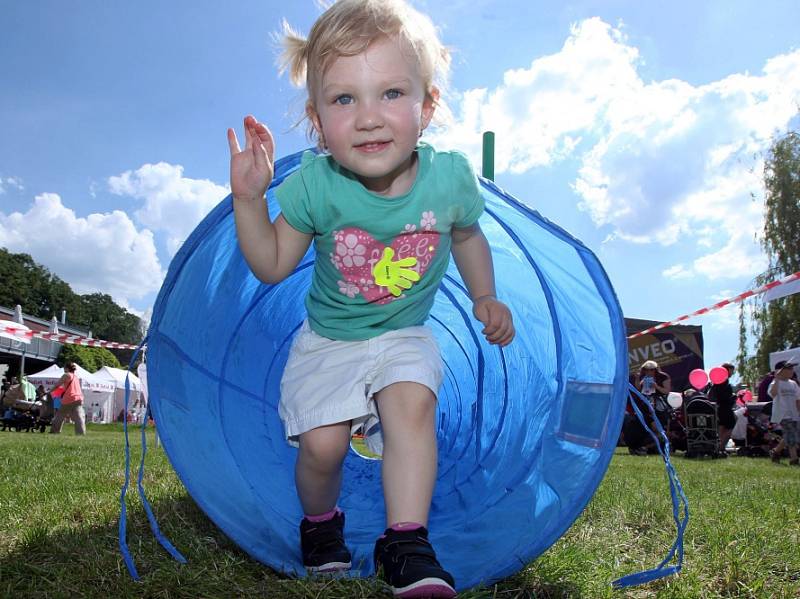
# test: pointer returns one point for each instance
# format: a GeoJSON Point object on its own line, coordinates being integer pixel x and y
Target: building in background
{"type": "Point", "coordinates": [17, 358]}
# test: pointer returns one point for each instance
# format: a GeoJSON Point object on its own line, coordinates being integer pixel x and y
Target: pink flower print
{"type": "Point", "coordinates": [428, 220]}
{"type": "Point", "coordinates": [351, 251]}
{"type": "Point", "coordinates": [366, 284]}
{"type": "Point", "coordinates": [347, 288]}
{"type": "Point", "coordinates": [409, 228]}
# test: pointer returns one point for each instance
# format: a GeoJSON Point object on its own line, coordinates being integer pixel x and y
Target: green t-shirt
{"type": "Point", "coordinates": [379, 260]}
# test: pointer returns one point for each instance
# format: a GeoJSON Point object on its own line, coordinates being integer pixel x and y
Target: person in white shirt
{"type": "Point", "coordinates": [785, 394]}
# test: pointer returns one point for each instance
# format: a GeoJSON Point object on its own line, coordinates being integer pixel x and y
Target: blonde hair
{"type": "Point", "coordinates": [348, 27]}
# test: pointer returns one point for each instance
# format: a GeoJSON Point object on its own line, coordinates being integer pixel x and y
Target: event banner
{"type": "Point", "coordinates": [677, 349]}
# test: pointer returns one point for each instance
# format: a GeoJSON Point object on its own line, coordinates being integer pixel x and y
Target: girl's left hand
{"type": "Point", "coordinates": [497, 320]}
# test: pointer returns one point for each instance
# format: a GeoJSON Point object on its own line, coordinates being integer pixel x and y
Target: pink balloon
{"type": "Point", "coordinates": [747, 396]}
{"type": "Point", "coordinates": [718, 375]}
{"type": "Point", "coordinates": [698, 378]}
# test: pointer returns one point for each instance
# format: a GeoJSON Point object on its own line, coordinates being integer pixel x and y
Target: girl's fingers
{"type": "Point", "coordinates": [266, 138]}
{"type": "Point", "coordinates": [260, 154]}
{"type": "Point", "coordinates": [248, 137]}
{"type": "Point", "coordinates": [233, 143]}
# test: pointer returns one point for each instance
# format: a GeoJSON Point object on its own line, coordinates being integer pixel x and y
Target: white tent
{"type": "Point", "coordinates": [137, 399]}
{"type": "Point", "coordinates": [789, 354]}
{"type": "Point", "coordinates": [98, 393]}
{"type": "Point", "coordinates": [89, 382]}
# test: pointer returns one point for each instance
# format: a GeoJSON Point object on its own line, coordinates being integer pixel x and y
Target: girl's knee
{"type": "Point", "coordinates": [324, 448]}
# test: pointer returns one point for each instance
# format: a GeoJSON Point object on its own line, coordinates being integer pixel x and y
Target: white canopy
{"type": "Point", "coordinates": [789, 354]}
{"type": "Point", "coordinates": [782, 291]}
{"type": "Point", "coordinates": [136, 401]}
{"type": "Point", "coordinates": [117, 377]}
{"type": "Point", "coordinates": [89, 382]}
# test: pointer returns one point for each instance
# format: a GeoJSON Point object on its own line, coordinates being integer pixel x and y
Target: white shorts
{"type": "Point", "coordinates": [327, 381]}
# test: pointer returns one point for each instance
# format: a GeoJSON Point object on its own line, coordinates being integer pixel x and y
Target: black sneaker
{"type": "Point", "coordinates": [322, 544]}
{"type": "Point", "coordinates": [406, 561]}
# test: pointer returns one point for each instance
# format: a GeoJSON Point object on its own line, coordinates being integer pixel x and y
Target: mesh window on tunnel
{"type": "Point", "coordinates": [584, 412]}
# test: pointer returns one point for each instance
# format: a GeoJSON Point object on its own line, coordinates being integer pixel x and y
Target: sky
{"type": "Point", "coordinates": [639, 127]}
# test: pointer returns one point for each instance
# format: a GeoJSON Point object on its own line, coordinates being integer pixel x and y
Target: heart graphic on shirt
{"type": "Point", "coordinates": [356, 255]}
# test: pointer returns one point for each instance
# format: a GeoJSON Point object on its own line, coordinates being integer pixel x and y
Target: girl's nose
{"type": "Point", "coordinates": [369, 116]}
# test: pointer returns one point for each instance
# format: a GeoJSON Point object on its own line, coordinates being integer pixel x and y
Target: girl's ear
{"type": "Point", "coordinates": [313, 116]}
{"type": "Point", "coordinates": [429, 107]}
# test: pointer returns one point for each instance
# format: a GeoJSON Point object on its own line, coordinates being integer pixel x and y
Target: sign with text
{"type": "Point", "coordinates": [677, 349]}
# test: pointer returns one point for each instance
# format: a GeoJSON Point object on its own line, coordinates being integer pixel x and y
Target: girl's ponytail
{"type": "Point", "coordinates": [294, 57]}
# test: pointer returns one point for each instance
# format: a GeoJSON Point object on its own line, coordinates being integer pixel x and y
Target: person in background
{"type": "Point", "coordinates": [722, 394]}
{"type": "Point", "coordinates": [655, 385]}
{"type": "Point", "coordinates": [785, 394]}
{"type": "Point", "coordinates": [765, 382]}
{"type": "Point", "coordinates": [652, 381]}
{"type": "Point", "coordinates": [71, 401]}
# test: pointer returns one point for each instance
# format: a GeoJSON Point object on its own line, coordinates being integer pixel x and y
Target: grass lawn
{"type": "Point", "coordinates": [59, 508]}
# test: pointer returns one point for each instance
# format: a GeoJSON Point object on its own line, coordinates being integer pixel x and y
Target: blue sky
{"type": "Point", "coordinates": [637, 126]}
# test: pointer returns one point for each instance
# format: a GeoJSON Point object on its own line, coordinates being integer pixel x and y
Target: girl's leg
{"type": "Point", "coordinates": [407, 412]}
{"type": "Point", "coordinates": [318, 471]}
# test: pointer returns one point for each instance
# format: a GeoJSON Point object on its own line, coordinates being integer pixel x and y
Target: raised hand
{"type": "Point", "coordinates": [394, 274]}
{"type": "Point", "coordinates": [497, 320]}
{"type": "Point", "coordinates": [251, 168]}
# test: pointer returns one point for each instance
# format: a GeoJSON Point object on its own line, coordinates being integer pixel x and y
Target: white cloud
{"type": "Point", "coordinates": [678, 271]}
{"type": "Point", "coordinates": [725, 318]}
{"type": "Point", "coordinates": [10, 182]}
{"type": "Point", "coordinates": [661, 161]}
{"type": "Point", "coordinates": [541, 113]}
{"type": "Point", "coordinates": [173, 203]}
{"type": "Point", "coordinates": [99, 253]}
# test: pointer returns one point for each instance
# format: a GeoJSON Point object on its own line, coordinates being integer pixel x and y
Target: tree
{"type": "Point", "coordinates": [776, 324]}
{"type": "Point", "coordinates": [44, 295]}
{"type": "Point", "coordinates": [106, 320]}
{"type": "Point", "coordinates": [90, 358]}
{"type": "Point", "coordinates": [36, 289]}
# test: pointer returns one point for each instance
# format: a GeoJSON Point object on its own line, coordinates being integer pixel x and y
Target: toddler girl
{"type": "Point", "coordinates": [384, 211]}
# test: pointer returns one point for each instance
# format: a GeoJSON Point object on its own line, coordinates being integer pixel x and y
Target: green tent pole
{"type": "Point", "coordinates": [488, 155]}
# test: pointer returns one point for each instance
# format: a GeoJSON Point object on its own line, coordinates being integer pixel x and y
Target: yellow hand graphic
{"type": "Point", "coordinates": [394, 275]}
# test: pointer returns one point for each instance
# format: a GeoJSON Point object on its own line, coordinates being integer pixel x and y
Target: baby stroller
{"type": "Point", "coordinates": [18, 420]}
{"type": "Point", "coordinates": [753, 439]}
{"type": "Point", "coordinates": [25, 415]}
{"type": "Point", "coordinates": [702, 434]}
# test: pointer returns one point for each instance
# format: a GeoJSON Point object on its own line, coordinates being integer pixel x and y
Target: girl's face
{"type": "Point", "coordinates": [369, 111]}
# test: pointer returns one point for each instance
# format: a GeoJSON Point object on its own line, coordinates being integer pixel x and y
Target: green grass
{"type": "Point", "coordinates": [59, 507]}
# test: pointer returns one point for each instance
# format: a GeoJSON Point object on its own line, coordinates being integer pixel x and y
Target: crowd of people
{"type": "Point", "coordinates": [773, 429]}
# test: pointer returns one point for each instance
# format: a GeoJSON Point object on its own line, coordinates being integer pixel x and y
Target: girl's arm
{"type": "Point", "coordinates": [474, 261]}
{"type": "Point", "coordinates": [772, 388]}
{"type": "Point", "coordinates": [666, 387]}
{"type": "Point", "coordinates": [272, 250]}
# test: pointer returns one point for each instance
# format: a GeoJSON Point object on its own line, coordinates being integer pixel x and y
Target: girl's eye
{"type": "Point", "coordinates": [393, 94]}
{"type": "Point", "coordinates": [343, 100]}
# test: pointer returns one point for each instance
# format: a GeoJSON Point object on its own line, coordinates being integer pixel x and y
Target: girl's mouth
{"type": "Point", "coordinates": [372, 146]}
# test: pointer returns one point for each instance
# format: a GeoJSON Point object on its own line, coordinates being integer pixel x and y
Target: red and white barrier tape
{"type": "Point", "coordinates": [722, 304]}
{"type": "Point", "coordinates": [24, 334]}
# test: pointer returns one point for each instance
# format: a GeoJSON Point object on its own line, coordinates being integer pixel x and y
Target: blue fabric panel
{"type": "Point", "coordinates": [525, 433]}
